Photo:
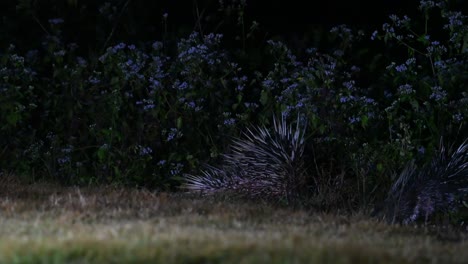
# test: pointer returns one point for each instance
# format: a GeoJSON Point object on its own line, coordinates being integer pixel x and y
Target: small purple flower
{"type": "Point", "coordinates": [350, 85]}
{"type": "Point", "coordinates": [406, 89]}
{"type": "Point", "coordinates": [286, 112]}
{"type": "Point", "coordinates": [56, 21]}
{"type": "Point", "coordinates": [154, 83]}
{"type": "Point", "coordinates": [67, 149]}
{"type": "Point", "coordinates": [440, 65]}
{"type": "Point", "coordinates": [157, 45]}
{"type": "Point", "coordinates": [455, 19]}
{"type": "Point", "coordinates": [353, 120]}
{"type": "Point", "coordinates": [103, 57]}
{"type": "Point", "coordinates": [401, 68]}
{"type": "Point", "coordinates": [410, 61]}
{"type": "Point", "coordinates": [338, 53]}
{"type": "Point", "coordinates": [458, 117]}
{"type": "Point", "coordinates": [387, 94]}
{"type": "Point", "coordinates": [72, 46]}
{"type": "Point", "coordinates": [182, 86]}
{"type": "Point", "coordinates": [344, 99]}
{"type": "Point", "coordinates": [251, 105]}
{"type": "Point", "coordinates": [118, 47]}
{"type": "Point", "coordinates": [17, 60]}
{"type": "Point", "coordinates": [421, 150]}
{"type": "Point", "coordinates": [355, 68]}
{"type": "Point", "coordinates": [436, 47]}
{"type": "Point", "coordinates": [172, 134]}
{"type": "Point", "coordinates": [82, 62]}
{"type": "Point", "coordinates": [63, 160]}
{"type": "Point", "coordinates": [393, 17]}
{"type": "Point", "coordinates": [423, 5]}
{"type": "Point", "coordinates": [148, 106]}
{"type": "Point", "coordinates": [59, 53]}
{"type": "Point", "coordinates": [387, 28]}
{"type": "Point", "coordinates": [146, 103]}
{"type": "Point", "coordinates": [229, 121]}
{"type": "Point", "coordinates": [94, 80]}
{"type": "Point", "coordinates": [311, 51]}
{"type": "Point", "coordinates": [177, 169]}
{"type": "Point", "coordinates": [144, 151]}
{"type": "Point", "coordinates": [438, 94]}
{"type": "Point", "coordinates": [191, 104]}
{"type": "Point", "coordinates": [269, 84]}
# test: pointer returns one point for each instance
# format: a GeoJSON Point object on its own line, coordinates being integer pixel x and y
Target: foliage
{"type": "Point", "coordinates": [124, 117]}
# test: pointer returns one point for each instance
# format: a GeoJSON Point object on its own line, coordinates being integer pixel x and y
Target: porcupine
{"type": "Point", "coordinates": [440, 186]}
{"type": "Point", "coordinates": [261, 164]}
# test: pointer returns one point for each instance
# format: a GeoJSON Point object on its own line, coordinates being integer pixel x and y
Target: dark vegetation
{"type": "Point", "coordinates": [142, 93]}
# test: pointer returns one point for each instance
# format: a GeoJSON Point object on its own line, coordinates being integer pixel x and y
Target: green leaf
{"type": "Point", "coordinates": [101, 154]}
{"type": "Point", "coordinates": [13, 118]}
{"type": "Point", "coordinates": [239, 98]}
{"type": "Point", "coordinates": [364, 120]}
{"type": "Point", "coordinates": [422, 39]}
{"type": "Point", "coordinates": [415, 104]}
{"type": "Point", "coordinates": [380, 167]}
{"type": "Point", "coordinates": [264, 97]}
{"type": "Point", "coordinates": [179, 122]}
{"type": "Point", "coordinates": [465, 42]}
{"type": "Point", "coordinates": [117, 171]}
{"type": "Point", "coordinates": [322, 129]}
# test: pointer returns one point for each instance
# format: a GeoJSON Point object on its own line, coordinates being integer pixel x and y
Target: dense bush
{"type": "Point", "coordinates": [133, 116]}
{"type": "Point", "coordinates": [145, 113]}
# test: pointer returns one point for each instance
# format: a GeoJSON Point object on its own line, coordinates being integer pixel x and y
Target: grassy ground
{"type": "Point", "coordinates": [44, 223]}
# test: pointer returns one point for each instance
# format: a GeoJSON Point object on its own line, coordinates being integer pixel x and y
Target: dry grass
{"type": "Point", "coordinates": [45, 223]}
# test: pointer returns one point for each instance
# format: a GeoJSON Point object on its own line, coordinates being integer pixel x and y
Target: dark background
{"type": "Point", "coordinates": [142, 19]}
{"type": "Point", "coordinates": [25, 22]}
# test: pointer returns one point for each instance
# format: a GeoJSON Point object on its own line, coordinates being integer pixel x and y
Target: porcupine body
{"type": "Point", "coordinates": [262, 163]}
{"type": "Point", "coordinates": [438, 187]}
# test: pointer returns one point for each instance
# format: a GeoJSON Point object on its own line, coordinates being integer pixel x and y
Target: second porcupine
{"type": "Point", "coordinates": [440, 186]}
{"type": "Point", "coordinates": [262, 163]}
